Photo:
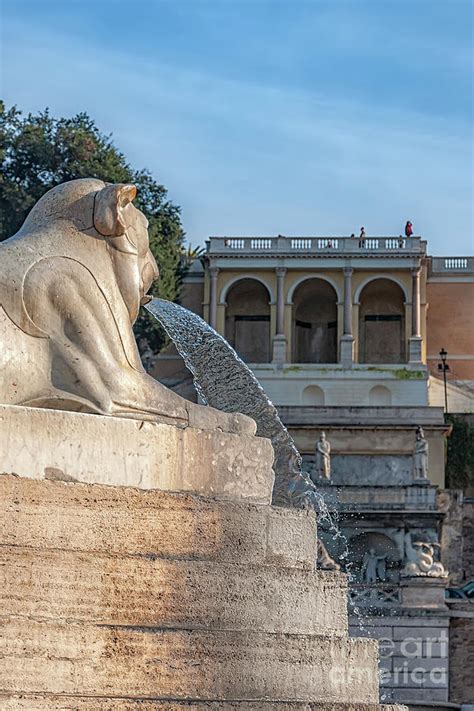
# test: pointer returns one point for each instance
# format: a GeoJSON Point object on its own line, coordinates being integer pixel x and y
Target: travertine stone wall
{"type": "Point", "coordinates": [112, 592]}
{"type": "Point", "coordinates": [72, 446]}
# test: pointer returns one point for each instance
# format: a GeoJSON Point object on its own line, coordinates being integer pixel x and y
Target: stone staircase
{"type": "Point", "coordinates": [125, 599]}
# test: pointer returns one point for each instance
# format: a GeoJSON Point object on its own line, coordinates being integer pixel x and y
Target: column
{"type": "Point", "coordinates": [348, 301]}
{"type": "Point", "coordinates": [279, 339]}
{"type": "Point", "coordinates": [280, 275]}
{"type": "Point", "coordinates": [347, 340]}
{"type": "Point", "coordinates": [415, 303]}
{"type": "Point", "coordinates": [213, 274]}
{"type": "Point", "coordinates": [415, 346]}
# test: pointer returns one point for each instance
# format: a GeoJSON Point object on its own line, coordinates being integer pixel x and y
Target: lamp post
{"type": "Point", "coordinates": [444, 367]}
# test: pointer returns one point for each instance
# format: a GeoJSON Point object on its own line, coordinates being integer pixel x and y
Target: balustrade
{"type": "Point", "coordinates": [455, 263]}
{"type": "Point", "coordinates": [301, 243]}
{"type": "Point", "coordinates": [295, 245]}
{"type": "Point", "coordinates": [374, 595]}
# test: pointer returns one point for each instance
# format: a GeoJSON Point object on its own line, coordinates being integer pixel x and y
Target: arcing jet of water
{"type": "Point", "coordinates": [225, 382]}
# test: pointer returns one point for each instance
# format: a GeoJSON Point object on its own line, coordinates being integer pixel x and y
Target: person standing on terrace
{"type": "Point", "coordinates": [408, 229]}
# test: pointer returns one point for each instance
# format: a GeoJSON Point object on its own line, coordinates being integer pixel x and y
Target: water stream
{"type": "Point", "coordinates": [222, 380]}
{"type": "Point", "coordinates": [225, 382]}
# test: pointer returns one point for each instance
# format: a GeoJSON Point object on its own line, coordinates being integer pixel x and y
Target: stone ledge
{"type": "Point", "coordinates": [89, 660]}
{"type": "Point", "coordinates": [127, 521]}
{"type": "Point", "coordinates": [111, 590]}
{"type": "Point", "coordinates": [26, 702]}
{"type": "Point", "coordinates": [93, 449]}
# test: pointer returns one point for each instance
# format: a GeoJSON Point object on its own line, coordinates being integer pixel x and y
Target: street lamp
{"type": "Point", "coordinates": [444, 368]}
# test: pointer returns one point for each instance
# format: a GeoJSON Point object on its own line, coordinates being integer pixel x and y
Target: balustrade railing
{"type": "Point", "coordinates": [374, 595]}
{"type": "Point", "coordinates": [452, 264]}
{"type": "Point", "coordinates": [315, 245]}
{"type": "Point", "coordinates": [455, 263]}
{"type": "Point", "coordinates": [301, 243]}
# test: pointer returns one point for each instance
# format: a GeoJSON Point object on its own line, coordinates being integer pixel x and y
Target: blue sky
{"type": "Point", "coordinates": [264, 117]}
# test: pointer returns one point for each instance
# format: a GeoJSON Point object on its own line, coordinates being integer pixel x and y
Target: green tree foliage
{"type": "Point", "coordinates": [460, 455]}
{"type": "Point", "coordinates": [38, 152]}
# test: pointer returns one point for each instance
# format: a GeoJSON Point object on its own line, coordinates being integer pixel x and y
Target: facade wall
{"type": "Point", "coordinates": [461, 654]}
{"type": "Point", "coordinates": [335, 277]}
{"type": "Point", "coordinates": [365, 446]}
{"type": "Point", "coordinates": [414, 656]}
{"type": "Point", "coordinates": [450, 325]}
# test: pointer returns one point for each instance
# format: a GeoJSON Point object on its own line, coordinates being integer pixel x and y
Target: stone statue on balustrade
{"type": "Point", "coordinates": [420, 559]}
{"type": "Point", "coordinates": [322, 466]}
{"type": "Point", "coordinates": [71, 284]}
{"type": "Point", "coordinates": [420, 457]}
{"type": "Point", "coordinates": [374, 566]}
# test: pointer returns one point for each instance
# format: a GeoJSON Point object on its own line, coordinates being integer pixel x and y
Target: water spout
{"type": "Point", "coordinates": [225, 382]}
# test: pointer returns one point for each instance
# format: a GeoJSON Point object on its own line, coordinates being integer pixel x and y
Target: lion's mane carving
{"type": "Point", "coordinates": [71, 283]}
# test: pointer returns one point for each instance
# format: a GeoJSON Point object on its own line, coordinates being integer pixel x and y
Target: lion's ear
{"type": "Point", "coordinates": [109, 218]}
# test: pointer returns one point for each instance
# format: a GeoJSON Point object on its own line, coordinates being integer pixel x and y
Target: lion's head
{"type": "Point", "coordinates": [104, 211]}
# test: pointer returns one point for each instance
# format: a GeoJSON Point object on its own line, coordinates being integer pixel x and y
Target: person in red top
{"type": "Point", "coordinates": [408, 229]}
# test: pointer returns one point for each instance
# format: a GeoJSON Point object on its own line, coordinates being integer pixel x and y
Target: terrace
{"type": "Point", "coordinates": [312, 246]}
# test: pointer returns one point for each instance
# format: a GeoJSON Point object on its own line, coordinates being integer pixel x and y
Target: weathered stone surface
{"type": "Point", "coordinates": [66, 658]}
{"type": "Point", "coordinates": [80, 517]}
{"type": "Point", "coordinates": [71, 446]}
{"type": "Point", "coordinates": [107, 589]}
{"type": "Point", "coordinates": [15, 702]}
{"type": "Point", "coordinates": [72, 280]}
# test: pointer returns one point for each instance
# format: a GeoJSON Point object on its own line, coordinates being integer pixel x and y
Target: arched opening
{"type": "Point", "coordinates": [315, 322]}
{"type": "Point", "coordinates": [382, 323]}
{"type": "Point", "coordinates": [380, 395]}
{"type": "Point", "coordinates": [247, 323]}
{"type": "Point", "coordinates": [313, 395]}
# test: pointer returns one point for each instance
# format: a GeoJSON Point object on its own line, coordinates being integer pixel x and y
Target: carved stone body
{"type": "Point", "coordinates": [71, 284]}
{"type": "Point", "coordinates": [373, 566]}
{"type": "Point", "coordinates": [420, 456]}
{"type": "Point", "coordinates": [323, 457]}
{"type": "Point", "coordinates": [420, 559]}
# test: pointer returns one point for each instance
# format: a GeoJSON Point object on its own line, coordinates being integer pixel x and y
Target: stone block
{"type": "Point", "coordinates": [71, 446]}
{"type": "Point", "coordinates": [80, 517]}
{"type": "Point", "coordinates": [424, 593]}
{"type": "Point", "coordinates": [142, 592]}
{"type": "Point", "coordinates": [417, 696]}
{"type": "Point", "coordinates": [419, 631]}
{"type": "Point", "coordinates": [30, 702]}
{"type": "Point", "coordinates": [279, 349]}
{"type": "Point", "coordinates": [60, 658]}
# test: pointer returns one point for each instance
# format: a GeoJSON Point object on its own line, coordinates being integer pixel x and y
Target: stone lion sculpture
{"type": "Point", "coordinates": [71, 284]}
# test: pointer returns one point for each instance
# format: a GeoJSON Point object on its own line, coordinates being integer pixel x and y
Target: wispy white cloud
{"type": "Point", "coordinates": [253, 157]}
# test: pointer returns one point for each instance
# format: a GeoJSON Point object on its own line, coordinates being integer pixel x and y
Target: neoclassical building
{"type": "Point", "coordinates": [344, 336]}
{"type": "Point", "coordinates": [335, 321]}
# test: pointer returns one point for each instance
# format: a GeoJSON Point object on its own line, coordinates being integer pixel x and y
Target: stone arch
{"type": "Point", "coordinates": [313, 395]}
{"type": "Point", "coordinates": [388, 277]}
{"type": "Point", "coordinates": [314, 322]}
{"type": "Point", "coordinates": [382, 322]}
{"type": "Point", "coordinates": [380, 395]}
{"type": "Point", "coordinates": [302, 279]}
{"type": "Point", "coordinates": [232, 282]}
{"type": "Point", "coordinates": [247, 322]}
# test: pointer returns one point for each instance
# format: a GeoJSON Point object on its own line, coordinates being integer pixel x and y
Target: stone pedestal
{"type": "Point", "coordinates": [423, 592]}
{"type": "Point", "coordinates": [279, 349]}
{"type": "Point", "coordinates": [415, 349]}
{"type": "Point", "coordinates": [144, 597]}
{"type": "Point", "coordinates": [70, 446]}
{"type": "Point", "coordinates": [347, 351]}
